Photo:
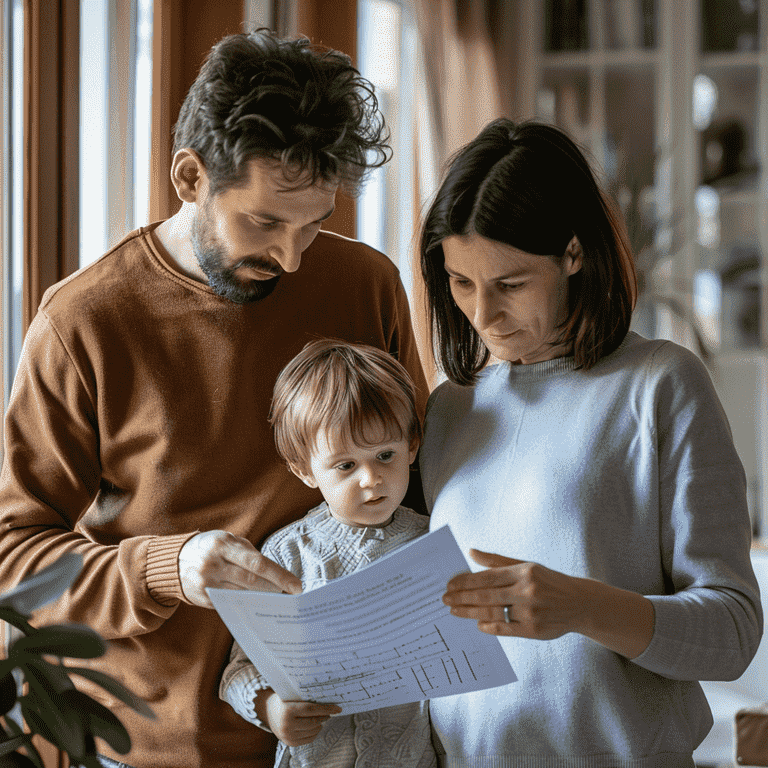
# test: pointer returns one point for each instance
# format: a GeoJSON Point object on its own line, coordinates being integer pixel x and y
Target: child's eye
{"type": "Point", "coordinates": [386, 456]}
{"type": "Point", "coordinates": [346, 466]}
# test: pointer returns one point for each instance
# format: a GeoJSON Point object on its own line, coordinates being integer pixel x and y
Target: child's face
{"type": "Point", "coordinates": [363, 486]}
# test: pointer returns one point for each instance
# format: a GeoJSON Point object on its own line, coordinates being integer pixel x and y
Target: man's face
{"type": "Point", "coordinates": [245, 237]}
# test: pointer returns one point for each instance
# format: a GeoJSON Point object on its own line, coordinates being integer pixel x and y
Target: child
{"type": "Point", "coordinates": [345, 421]}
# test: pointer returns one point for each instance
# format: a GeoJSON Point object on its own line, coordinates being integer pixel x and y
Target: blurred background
{"type": "Point", "coordinates": [668, 97]}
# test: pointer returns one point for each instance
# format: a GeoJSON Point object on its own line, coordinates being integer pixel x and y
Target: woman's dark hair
{"type": "Point", "coordinates": [528, 185]}
{"type": "Point", "coordinates": [259, 96]}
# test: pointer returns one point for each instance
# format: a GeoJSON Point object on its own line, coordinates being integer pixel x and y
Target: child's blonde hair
{"type": "Point", "coordinates": [347, 389]}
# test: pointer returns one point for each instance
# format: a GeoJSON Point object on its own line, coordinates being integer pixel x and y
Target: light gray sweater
{"type": "Point", "coordinates": [627, 474]}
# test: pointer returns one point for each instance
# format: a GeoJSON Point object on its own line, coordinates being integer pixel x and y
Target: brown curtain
{"type": "Point", "coordinates": [464, 47]}
{"type": "Point", "coordinates": [51, 104]}
{"type": "Point", "coordinates": [465, 79]}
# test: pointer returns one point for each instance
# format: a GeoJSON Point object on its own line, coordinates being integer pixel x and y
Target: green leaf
{"type": "Point", "coordinates": [11, 745]}
{"type": "Point", "coordinates": [49, 713]}
{"type": "Point", "coordinates": [101, 721]}
{"type": "Point", "coordinates": [45, 586]}
{"type": "Point", "coordinates": [63, 732]}
{"type": "Point", "coordinates": [12, 728]}
{"type": "Point", "coordinates": [70, 640]}
{"type": "Point", "coordinates": [16, 760]}
{"type": "Point", "coordinates": [8, 693]}
{"type": "Point", "coordinates": [15, 619]}
{"type": "Point", "coordinates": [90, 761]}
{"type": "Point", "coordinates": [113, 687]}
{"type": "Point", "coordinates": [6, 667]}
{"type": "Point", "coordinates": [41, 672]}
{"type": "Point", "coordinates": [33, 754]}
{"type": "Point", "coordinates": [14, 731]}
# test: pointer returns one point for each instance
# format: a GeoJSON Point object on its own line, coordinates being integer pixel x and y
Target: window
{"type": "Point", "coordinates": [387, 42]}
{"type": "Point", "coordinates": [38, 215]}
{"type": "Point", "coordinates": [11, 194]}
{"type": "Point", "coordinates": [115, 124]}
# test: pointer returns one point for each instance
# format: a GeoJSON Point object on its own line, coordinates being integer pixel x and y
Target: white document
{"type": "Point", "coordinates": [377, 637]}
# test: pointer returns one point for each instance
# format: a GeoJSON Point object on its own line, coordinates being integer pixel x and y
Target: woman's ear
{"type": "Point", "coordinates": [574, 256]}
{"type": "Point", "coordinates": [305, 477]}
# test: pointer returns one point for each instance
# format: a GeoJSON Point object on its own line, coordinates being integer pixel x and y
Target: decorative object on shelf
{"type": "Point", "coordinates": [40, 690]}
{"type": "Point", "coordinates": [566, 25]}
{"type": "Point", "coordinates": [724, 158]}
{"type": "Point", "coordinates": [730, 25]}
{"type": "Point", "coordinates": [740, 277]}
{"type": "Point", "coordinates": [752, 736]}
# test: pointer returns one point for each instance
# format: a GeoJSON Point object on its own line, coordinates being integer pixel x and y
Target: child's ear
{"type": "Point", "coordinates": [305, 478]}
{"type": "Point", "coordinates": [413, 449]}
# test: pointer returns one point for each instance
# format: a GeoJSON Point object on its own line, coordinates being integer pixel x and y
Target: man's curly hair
{"type": "Point", "coordinates": [259, 96]}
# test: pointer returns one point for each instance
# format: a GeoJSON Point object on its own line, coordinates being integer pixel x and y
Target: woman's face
{"type": "Point", "coordinates": [514, 300]}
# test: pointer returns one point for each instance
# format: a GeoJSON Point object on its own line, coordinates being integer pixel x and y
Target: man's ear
{"type": "Point", "coordinates": [305, 477]}
{"type": "Point", "coordinates": [188, 175]}
{"type": "Point", "coordinates": [575, 256]}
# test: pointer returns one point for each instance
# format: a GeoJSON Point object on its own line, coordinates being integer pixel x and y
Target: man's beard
{"type": "Point", "coordinates": [223, 280]}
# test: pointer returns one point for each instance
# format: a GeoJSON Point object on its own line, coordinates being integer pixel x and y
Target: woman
{"type": "Point", "coordinates": [591, 471]}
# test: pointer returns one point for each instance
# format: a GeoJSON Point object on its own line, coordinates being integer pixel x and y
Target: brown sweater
{"type": "Point", "coordinates": [139, 417]}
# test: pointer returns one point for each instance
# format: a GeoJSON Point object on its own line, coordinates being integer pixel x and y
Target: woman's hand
{"type": "Point", "coordinates": [546, 604]}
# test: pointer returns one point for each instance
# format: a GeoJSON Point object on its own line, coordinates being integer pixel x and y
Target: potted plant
{"type": "Point", "coordinates": [36, 686]}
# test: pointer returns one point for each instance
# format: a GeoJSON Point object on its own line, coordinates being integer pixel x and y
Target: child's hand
{"type": "Point", "coordinates": [294, 722]}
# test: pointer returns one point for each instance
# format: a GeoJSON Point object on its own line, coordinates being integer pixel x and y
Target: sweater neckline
{"type": "Point", "coordinates": [344, 531]}
{"type": "Point", "coordinates": [542, 370]}
{"type": "Point", "coordinates": [559, 365]}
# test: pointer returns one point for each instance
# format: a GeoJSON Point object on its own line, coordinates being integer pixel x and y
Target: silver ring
{"type": "Point", "coordinates": [508, 614]}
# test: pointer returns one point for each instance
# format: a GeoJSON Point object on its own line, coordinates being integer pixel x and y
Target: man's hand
{"type": "Point", "coordinates": [293, 722]}
{"type": "Point", "coordinates": [221, 559]}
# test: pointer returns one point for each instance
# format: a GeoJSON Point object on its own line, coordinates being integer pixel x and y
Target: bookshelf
{"type": "Point", "coordinates": [670, 98]}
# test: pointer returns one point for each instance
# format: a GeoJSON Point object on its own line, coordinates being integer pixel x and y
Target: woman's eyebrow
{"type": "Point", "coordinates": [506, 276]}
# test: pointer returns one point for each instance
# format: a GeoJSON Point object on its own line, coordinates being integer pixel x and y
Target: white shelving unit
{"type": "Point", "coordinates": [670, 97]}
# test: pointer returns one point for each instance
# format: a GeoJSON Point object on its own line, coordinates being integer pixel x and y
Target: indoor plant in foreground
{"type": "Point", "coordinates": [49, 703]}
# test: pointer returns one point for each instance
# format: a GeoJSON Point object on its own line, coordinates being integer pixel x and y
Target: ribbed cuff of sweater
{"type": "Point", "coordinates": [241, 692]}
{"type": "Point", "coordinates": [163, 580]}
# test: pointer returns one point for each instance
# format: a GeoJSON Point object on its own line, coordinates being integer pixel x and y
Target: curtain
{"type": "Point", "coordinates": [51, 91]}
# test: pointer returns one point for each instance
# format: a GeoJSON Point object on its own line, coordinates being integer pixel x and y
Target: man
{"type": "Point", "coordinates": [137, 432]}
